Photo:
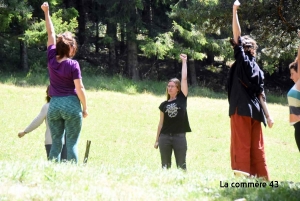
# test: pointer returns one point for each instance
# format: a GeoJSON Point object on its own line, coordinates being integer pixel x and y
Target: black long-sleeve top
{"type": "Point", "coordinates": [245, 84]}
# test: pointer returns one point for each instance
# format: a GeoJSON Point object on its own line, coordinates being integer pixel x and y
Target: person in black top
{"type": "Point", "coordinates": [174, 123]}
{"type": "Point", "coordinates": [245, 87]}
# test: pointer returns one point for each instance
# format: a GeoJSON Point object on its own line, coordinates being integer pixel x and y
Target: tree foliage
{"type": "Point", "coordinates": [37, 33]}
{"type": "Point", "coordinates": [155, 29]}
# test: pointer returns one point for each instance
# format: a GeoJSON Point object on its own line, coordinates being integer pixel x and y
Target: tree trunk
{"type": "Point", "coordinates": [123, 42]}
{"type": "Point", "coordinates": [193, 72]}
{"type": "Point", "coordinates": [24, 56]}
{"type": "Point", "coordinates": [96, 21]}
{"type": "Point", "coordinates": [111, 32]}
{"type": "Point", "coordinates": [97, 36]}
{"type": "Point", "coordinates": [132, 61]}
{"type": "Point", "coordinates": [147, 16]}
{"type": "Point", "coordinates": [210, 57]}
{"type": "Point", "coordinates": [81, 22]}
{"type": "Point", "coordinates": [151, 18]}
{"type": "Point", "coordinates": [153, 71]}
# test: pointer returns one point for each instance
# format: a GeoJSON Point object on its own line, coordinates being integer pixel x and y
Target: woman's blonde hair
{"type": "Point", "coordinates": [177, 83]}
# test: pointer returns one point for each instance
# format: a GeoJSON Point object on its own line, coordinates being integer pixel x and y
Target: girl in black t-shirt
{"type": "Point", "coordinates": [174, 123]}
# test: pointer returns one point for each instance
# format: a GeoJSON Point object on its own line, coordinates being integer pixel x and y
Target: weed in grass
{"type": "Point", "coordinates": [20, 174]}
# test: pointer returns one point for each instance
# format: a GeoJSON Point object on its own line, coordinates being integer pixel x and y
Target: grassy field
{"type": "Point", "coordinates": [123, 165]}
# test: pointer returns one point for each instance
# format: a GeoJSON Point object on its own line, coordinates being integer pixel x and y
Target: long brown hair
{"type": "Point", "coordinates": [47, 94]}
{"type": "Point", "coordinates": [64, 42]}
{"type": "Point", "coordinates": [177, 83]}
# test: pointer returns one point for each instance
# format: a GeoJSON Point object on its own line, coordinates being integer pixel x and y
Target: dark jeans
{"type": "Point", "coordinates": [297, 134]}
{"type": "Point", "coordinates": [169, 142]}
{"type": "Point", "coordinates": [63, 154]}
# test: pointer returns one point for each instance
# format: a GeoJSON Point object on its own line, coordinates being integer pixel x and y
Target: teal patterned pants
{"type": "Point", "coordinates": [64, 114]}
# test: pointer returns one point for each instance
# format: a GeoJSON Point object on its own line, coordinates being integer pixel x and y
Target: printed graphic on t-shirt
{"type": "Point", "coordinates": [172, 110]}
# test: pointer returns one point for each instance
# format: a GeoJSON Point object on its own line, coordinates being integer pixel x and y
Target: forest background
{"type": "Point", "coordinates": [141, 39]}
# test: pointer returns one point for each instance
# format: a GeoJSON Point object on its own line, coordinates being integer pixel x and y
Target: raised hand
{"type": "Point", "coordinates": [45, 7]}
{"type": "Point", "coordinates": [183, 57]}
{"type": "Point", "coordinates": [236, 4]}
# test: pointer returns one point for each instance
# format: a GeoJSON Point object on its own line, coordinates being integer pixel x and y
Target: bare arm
{"type": "Point", "coordinates": [81, 95]}
{"type": "Point", "coordinates": [49, 25]}
{"type": "Point", "coordinates": [236, 29]}
{"type": "Point", "coordinates": [184, 85]}
{"type": "Point", "coordinates": [160, 124]}
{"type": "Point", "coordinates": [38, 120]}
{"type": "Point", "coordinates": [263, 103]}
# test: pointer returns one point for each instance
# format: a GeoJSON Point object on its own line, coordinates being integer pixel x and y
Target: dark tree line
{"type": "Point", "coordinates": [138, 38]}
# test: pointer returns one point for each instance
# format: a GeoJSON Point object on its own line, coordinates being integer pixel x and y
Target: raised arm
{"type": "Point", "coordinates": [236, 29]}
{"type": "Point", "coordinates": [49, 25]}
{"type": "Point", "coordinates": [184, 85]}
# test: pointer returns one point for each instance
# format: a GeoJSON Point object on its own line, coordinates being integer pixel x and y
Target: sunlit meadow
{"type": "Point", "coordinates": [122, 164]}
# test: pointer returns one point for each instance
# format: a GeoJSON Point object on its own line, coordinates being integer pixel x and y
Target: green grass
{"type": "Point", "coordinates": [118, 83]}
{"type": "Point", "coordinates": [123, 165]}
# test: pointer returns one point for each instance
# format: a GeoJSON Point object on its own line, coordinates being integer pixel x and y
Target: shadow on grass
{"type": "Point", "coordinates": [283, 191]}
{"type": "Point", "coordinates": [120, 84]}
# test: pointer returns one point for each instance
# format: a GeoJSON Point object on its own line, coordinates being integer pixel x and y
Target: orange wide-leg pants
{"type": "Point", "coordinates": [247, 146]}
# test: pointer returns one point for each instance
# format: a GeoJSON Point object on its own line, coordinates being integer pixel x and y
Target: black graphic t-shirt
{"type": "Point", "coordinates": [175, 115]}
